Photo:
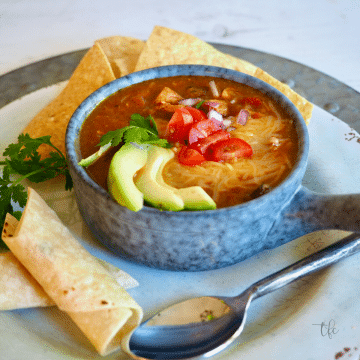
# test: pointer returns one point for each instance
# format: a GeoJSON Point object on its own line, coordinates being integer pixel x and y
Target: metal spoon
{"type": "Point", "coordinates": [207, 325]}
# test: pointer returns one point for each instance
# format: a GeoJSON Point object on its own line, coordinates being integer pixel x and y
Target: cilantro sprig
{"type": "Point", "coordinates": [199, 104]}
{"type": "Point", "coordinates": [140, 130]}
{"type": "Point", "coordinates": [23, 161]}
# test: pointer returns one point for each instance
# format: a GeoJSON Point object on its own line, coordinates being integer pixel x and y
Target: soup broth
{"type": "Point", "coordinates": [270, 133]}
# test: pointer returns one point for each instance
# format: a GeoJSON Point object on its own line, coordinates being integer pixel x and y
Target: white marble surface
{"type": "Point", "coordinates": [323, 34]}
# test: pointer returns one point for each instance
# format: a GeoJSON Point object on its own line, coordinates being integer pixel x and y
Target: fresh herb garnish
{"type": "Point", "coordinates": [199, 104]}
{"type": "Point", "coordinates": [140, 130]}
{"type": "Point", "coordinates": [22, 161]}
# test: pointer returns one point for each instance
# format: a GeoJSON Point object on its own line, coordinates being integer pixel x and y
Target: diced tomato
{"type": "Point", "coordinates": [187, 117]}
{"type": "Point", "coordinates": [190, 157]}
{"type": "Point", "coordinates": [229, 149]}
{"type": "Point", "coordinates": [203, 144]}
{"type": "Point", "coordinates": [202, 129]}
{"type": "Point", "coordinates": [253, 101]}
{"type": "Point", "coordinates": [197, 114]}
{"type": "Point", "coordinates": [179, 125]}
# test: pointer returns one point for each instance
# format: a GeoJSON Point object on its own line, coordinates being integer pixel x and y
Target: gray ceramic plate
{"type": "Point", "coordinates": [284, 325]}
{"type": "Point", "coordinates": [319, 88]}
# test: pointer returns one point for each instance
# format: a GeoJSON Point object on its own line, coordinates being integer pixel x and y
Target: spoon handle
{"type": "Point", "coordinates": [310, 264]}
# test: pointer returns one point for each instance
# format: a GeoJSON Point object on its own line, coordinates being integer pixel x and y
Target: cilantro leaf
{"type": "Point", "coordinates": [199, 104]}
{"type": "Point", "coordinates": [136, 134]}
{"type": "Point", "coordinates": [140, 130]}
{"type": "Point", "coordinates": [145, 123]}
{"type": "Point", "coordinates": [112, 137]}
{"type": "Point", "coordinates": [159, 142]}
{"type": "Point", "coordinates": [23, 161]}
{"type": "Point", "coordinates": [16, 193]}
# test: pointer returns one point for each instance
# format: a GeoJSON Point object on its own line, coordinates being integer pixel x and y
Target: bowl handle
{"type": "Point", "coordinates": [308, 212]}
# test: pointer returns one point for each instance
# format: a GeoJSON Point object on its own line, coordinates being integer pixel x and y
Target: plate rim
{"type": "Point", "coordinates": [317, 87]}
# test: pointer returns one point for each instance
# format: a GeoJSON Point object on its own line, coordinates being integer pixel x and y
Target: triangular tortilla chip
{"type": "Point", "coordinates": [170, 47]}
{"type": "Point", "coordinates": [93, 72]}
{"type": "Point", "coordinates": [76, 282]}
{"type": "Point", "coordinates": [305, 107]}
{"type": "Point", "coordinates": [122, 52]}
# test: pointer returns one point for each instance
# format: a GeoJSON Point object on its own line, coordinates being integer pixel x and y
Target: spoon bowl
{"type": "Point", "coordinates": [206, 325]}
{"type": "Point", "coordinates": [208, 335]}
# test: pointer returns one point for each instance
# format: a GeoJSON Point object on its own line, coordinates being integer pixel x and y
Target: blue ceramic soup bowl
{"type": "Point", "coordinates": [197, 240]}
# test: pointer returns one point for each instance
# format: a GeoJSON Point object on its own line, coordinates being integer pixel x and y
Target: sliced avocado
{"type": "Point", "coordinates": [160, 194]}
{"type": "Point", "coordinates": [149, 183]}
{"type": "Point", "coordinates": [125, 163]}
{"type": "Point", "coordinates": [155, 193]}
{"type": "Point", "coordinates": [196, 198]}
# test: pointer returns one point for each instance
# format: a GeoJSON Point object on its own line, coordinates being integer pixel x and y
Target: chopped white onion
{"type": "Point", "coordinates": [213, 88]}
{"type": "Point", "coordinates": [227, 122]}
{"type": "Point", "coordinates": [212, 104]}
{"type": "Point", "coordinates": [189, 102]}
{"type": "Point", "coordinates": [214, 115]}
{"type": "Point", "coordinates": [242, 117]}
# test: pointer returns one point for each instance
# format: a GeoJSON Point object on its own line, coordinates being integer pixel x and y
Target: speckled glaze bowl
{"type": "Point", "coordinates": [203, 240]}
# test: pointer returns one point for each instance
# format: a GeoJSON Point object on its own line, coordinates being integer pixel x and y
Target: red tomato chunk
{"type": "Point", "coordinates": [230, 149]}
{"type": "Point", "coordinates": [190, 157]}
{"type": "Point", "coordinates": [179, 125]}
{"type": "Point", "coordinates": [197, 114]}
{"type": "Point", "coordinates": [202, 129]}
{"type": "Point", "coordinates": [203, 144]}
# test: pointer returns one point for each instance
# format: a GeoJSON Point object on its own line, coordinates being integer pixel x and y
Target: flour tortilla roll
{"type": "Point", "coordinates": [76, 282]}
{"type": "Point", "coordinates": [19, 290]}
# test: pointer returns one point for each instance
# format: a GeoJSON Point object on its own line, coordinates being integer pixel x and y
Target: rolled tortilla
{"type": "Point", "coordinates": [19, 290]}
{"type": "Point", "coordinates": [74, 280]}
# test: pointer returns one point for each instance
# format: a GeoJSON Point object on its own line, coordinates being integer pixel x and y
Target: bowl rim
{"type": "Point", "coordinates": [99, 95]}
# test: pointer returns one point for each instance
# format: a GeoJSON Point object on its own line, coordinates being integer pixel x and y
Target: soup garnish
{"type": "Point", "coordinates": [228, 139]}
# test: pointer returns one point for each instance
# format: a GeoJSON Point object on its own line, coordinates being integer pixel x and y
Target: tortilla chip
{"type": "Point", "coordinates": [170, 47]}
{"type": "Point", "coordinates": [305, 107]}
{"type": "Point", "coordinates": [93, 72]}
{"type": "Point", "coordinates": [122, 52]}
{"type": "Point", "coordinates": [76, 282]}
{"type": "Point", "coordinates": [117, 56]}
